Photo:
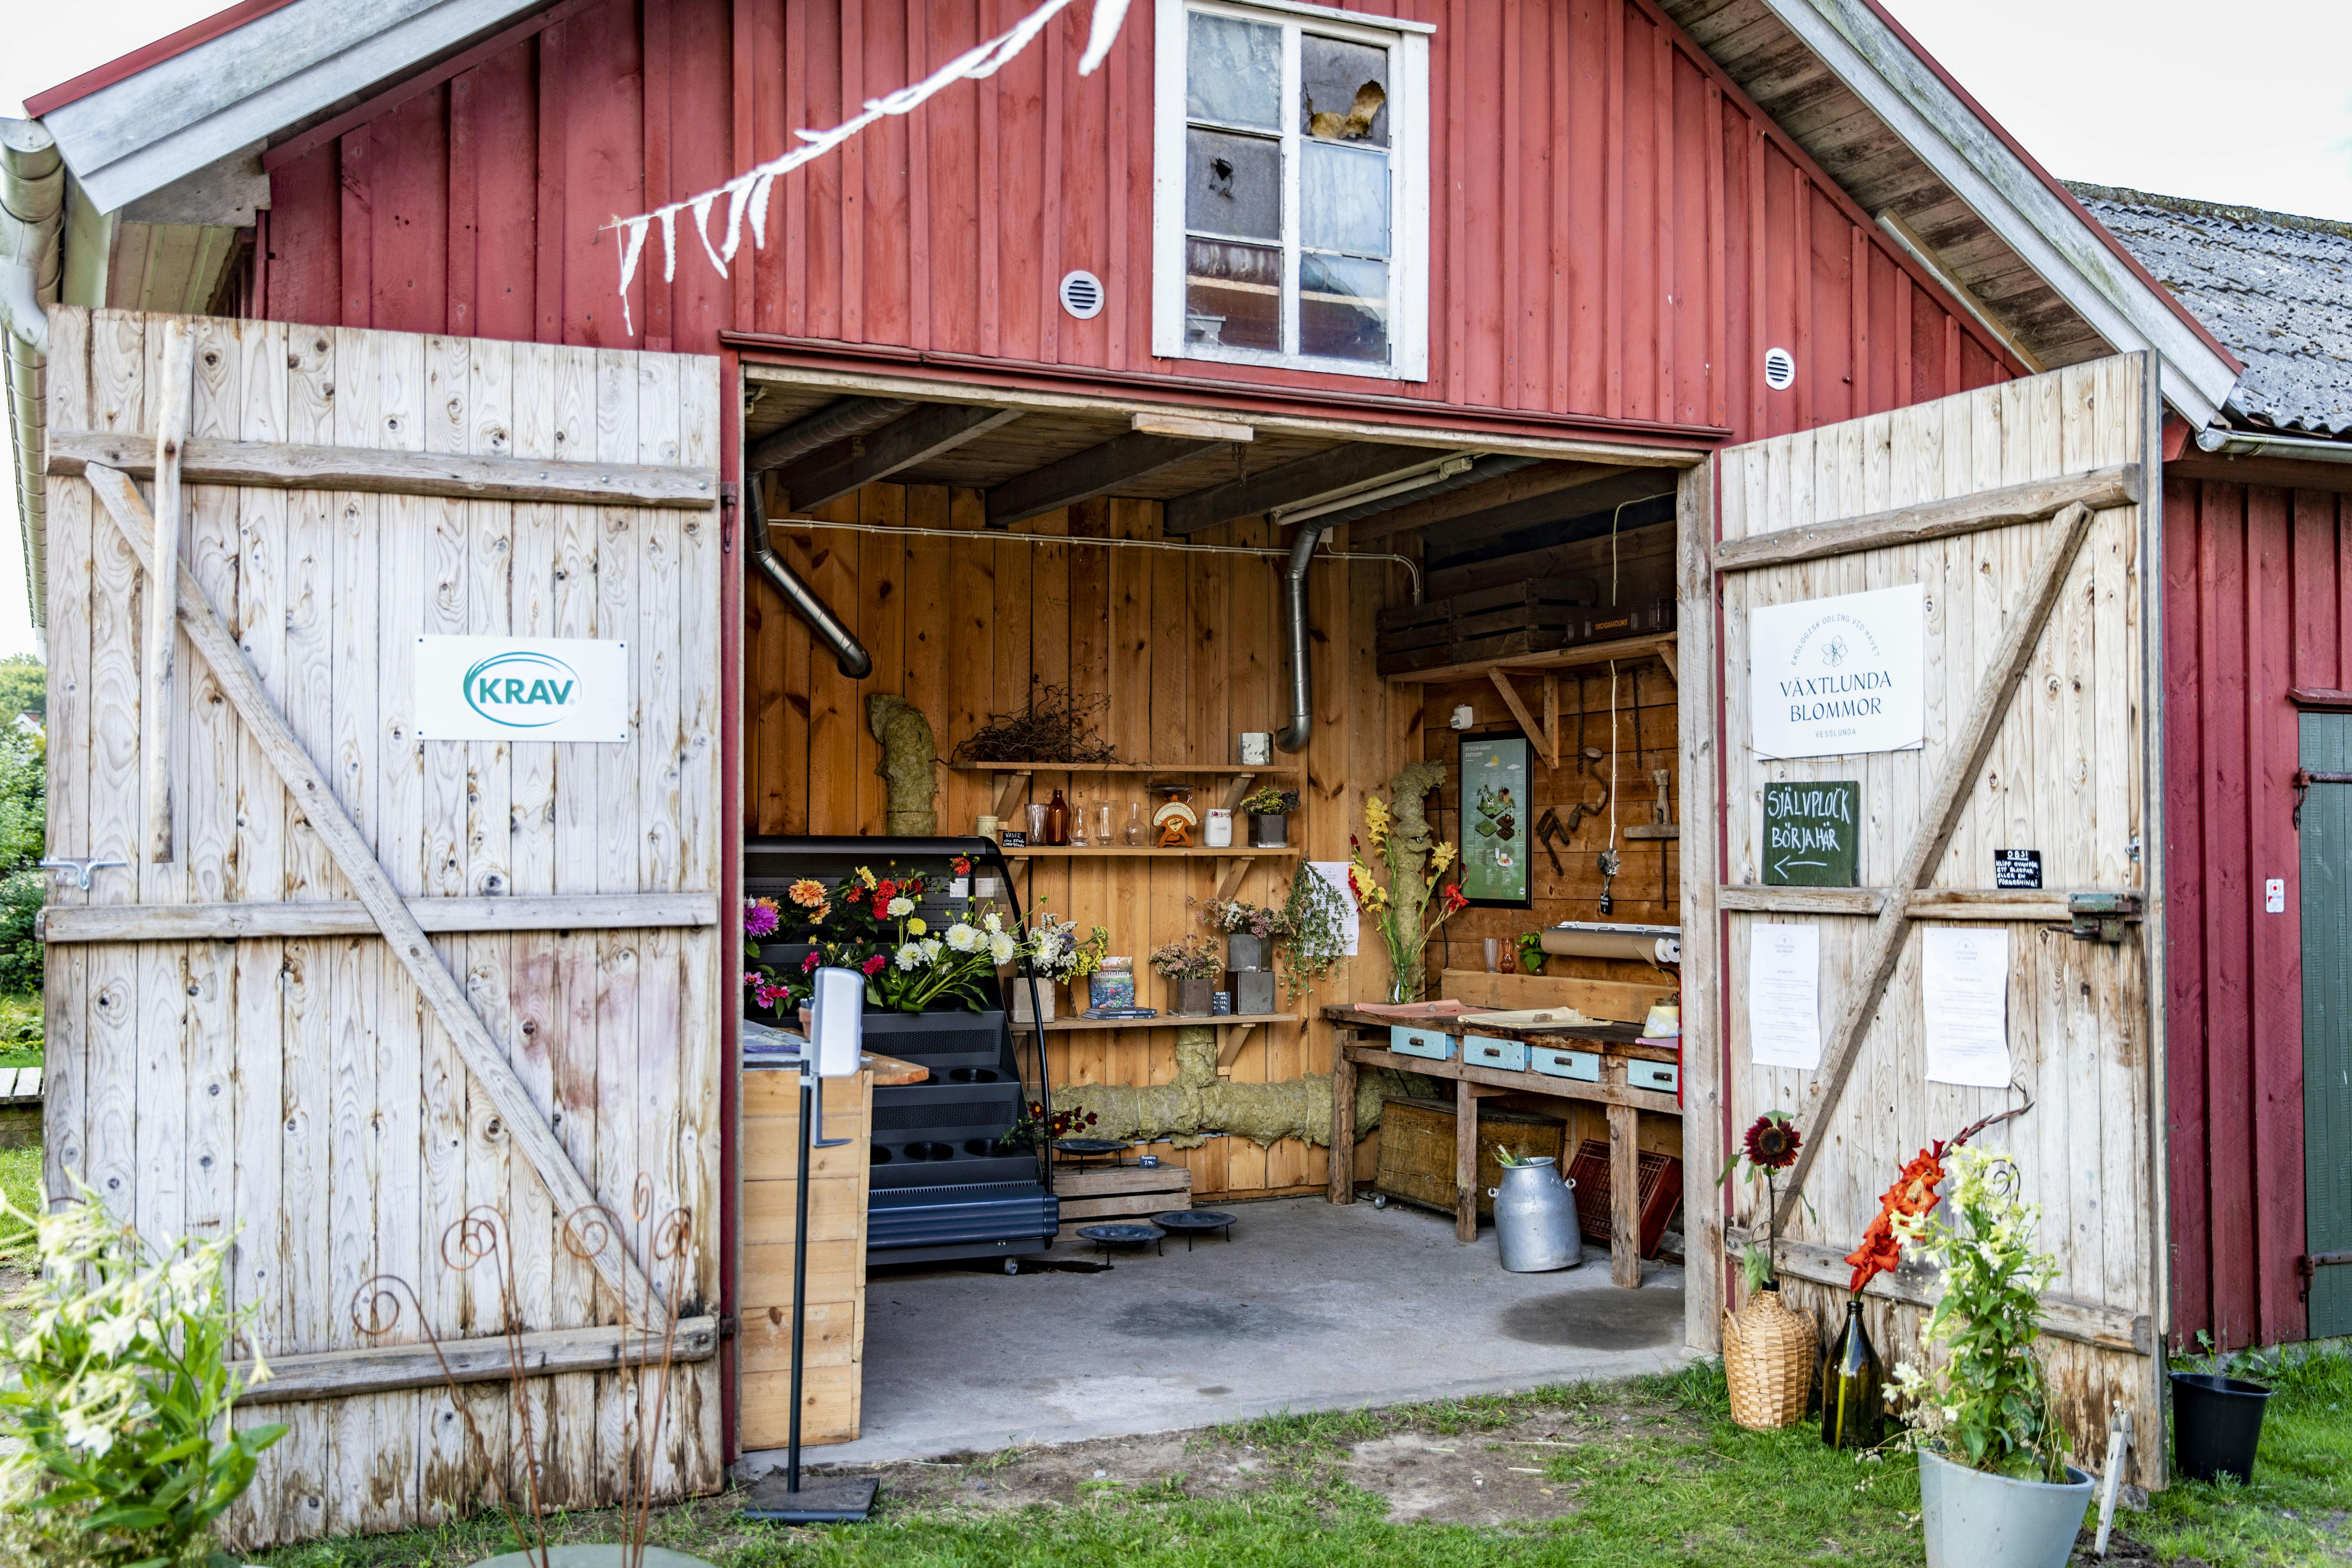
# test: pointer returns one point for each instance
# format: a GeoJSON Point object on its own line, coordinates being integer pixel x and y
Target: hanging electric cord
{"type": "Point", "coordinates": [1613, 755]}
{"type": "Point", "coordinates": [1614, 516]}
{"type": "Point", "coordinates": [1412, 567]}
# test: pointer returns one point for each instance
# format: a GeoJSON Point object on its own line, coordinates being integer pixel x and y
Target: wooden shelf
{"type": "Point", "coordinates": [1622, 650]}
{"type": "Point", "coordinates": [1650, 830]}
{"type": "Point", "coordinates": [1168, 1021]}
{"type": "Point", "coordinates": [1195, 853]}
{"type": "Point", "coordinates": [1198, 769]}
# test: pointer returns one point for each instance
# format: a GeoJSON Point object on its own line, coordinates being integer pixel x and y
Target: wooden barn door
{"type": "Point", "coordinates": [2016, 510]}
{"type": "Point", "coordinates": [332, 985]}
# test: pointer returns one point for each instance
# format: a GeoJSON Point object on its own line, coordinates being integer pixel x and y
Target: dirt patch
{"type": "Point", "coordinates": [14, 1277]}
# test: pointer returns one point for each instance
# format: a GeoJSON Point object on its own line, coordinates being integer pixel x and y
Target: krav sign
{"type": "Point", "coordinates": [567, 689]}
{"type": "Point", "coordinates": [1833, 676]}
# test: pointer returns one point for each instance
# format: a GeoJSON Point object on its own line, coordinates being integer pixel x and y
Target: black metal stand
{"type": "Point", "coordinates": [826, 1499]}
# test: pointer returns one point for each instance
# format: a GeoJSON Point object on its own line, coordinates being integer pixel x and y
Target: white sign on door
{"type": "Point", "coordinates": [522, 689]}
{"type": "Point", "coordinates": [1832, 677]}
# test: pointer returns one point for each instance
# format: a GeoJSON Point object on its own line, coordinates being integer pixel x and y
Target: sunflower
{"type": "Point", "coordinates": [1773, 1143]}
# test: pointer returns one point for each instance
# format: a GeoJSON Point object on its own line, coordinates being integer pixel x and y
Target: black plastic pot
{"type": "Point", "coordinates": [2216, 1425]}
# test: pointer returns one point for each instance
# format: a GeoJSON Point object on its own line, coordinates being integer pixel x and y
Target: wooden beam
{"type": "Point", "coordinates": [1749, 899]}
{"type": "Point", "coordinates": [1621, 651]}
{"type": "Point", "coordinates": [1229, 1049]}
{"type": "Point", "coordinates": [1624, 1196]}
{"type": "Point", "coordinates": [1542, 480]}
{"type": "Point", "coordinates": [1546, 738]}
{"type": "Point", "coordinates": [1673, 670]}
{"type": "Point", "coordinates": [1230, 883]}
{"type": "Point", "coordinates": [343, 917]}
{"type": "Point", "coordinates": [483, 1056]}
{"type": "Point", "coordinates": [1199, 427]}
{"type": "Point", "coordinates": [2062, 541]}
{"type": "Point", "coordinates": [175, 393]}
{"type": "Point", "coordinates": [912, 438]}
{"type": "Point", "coordinates": [2028, 502]}
{"type": "Point", "coordinates": [1082, 476]}
{"type": "Point", "coordinates": [1360, 463]}
{"type": "Point", "coordinates": [263, 465]}
{"type": "Point", "coordinates": [1551, 714]}
{"type": "Point", "coordinates": [1340, 1174]}
{"type": "Point", "coordinates": [1598, 502]}
{"type": "Point", "coordinates": [387, 1369]}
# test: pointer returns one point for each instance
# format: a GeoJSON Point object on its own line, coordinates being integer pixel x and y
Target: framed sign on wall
{"type": "Point", "coordinates": [1496, 812]}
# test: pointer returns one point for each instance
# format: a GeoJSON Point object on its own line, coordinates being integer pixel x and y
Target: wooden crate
{"type": "Point", "coordinates": [1129, 1193]}
{"type": "Point", "coordinates": [833, 1344]}
{"type": "Point", "coordinates": [1526, 617]}
{"type": "Point", "coordinates": [1662, 1189]}
{"type": "Point", "coordinates": [1417, 1149]}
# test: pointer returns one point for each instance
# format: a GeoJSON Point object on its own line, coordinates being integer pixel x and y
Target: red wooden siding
{"type": "Point", "coordinates": [2258, 601]}
{"type": "Point", "coordinates": [1616, 233]}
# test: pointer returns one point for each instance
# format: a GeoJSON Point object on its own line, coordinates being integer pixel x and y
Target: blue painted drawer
{"type": "Point", "coordinates": [1407, 1041]}
{"type": "Point", "coordinates": [1484, 1051]}
{"type": "Point", "coordinates": [1583, 1065]}
{"type": "Point", "coordinates": [1663, 1077]}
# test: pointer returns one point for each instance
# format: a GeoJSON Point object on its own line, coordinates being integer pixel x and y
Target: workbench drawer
{"type": "Point", "coordinates": [1407, 1041]}
{"type": "Point", "coordinates": [1484, 1051]}
{"type": "Point", "coordinates": [1553, 1062]}
{"type": "Point", "coordinates": [1663, 1077]}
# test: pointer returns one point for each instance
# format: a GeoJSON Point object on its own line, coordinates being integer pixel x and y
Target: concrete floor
{"type": "Point", "coordinates": [1312, 1306]}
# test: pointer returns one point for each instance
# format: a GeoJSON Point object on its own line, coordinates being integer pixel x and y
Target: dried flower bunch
{"type": "Point", "coordinates": [1193, 957]}
{"type": "Point", "coordinates": [1269, 801]}
{"type": "Point", "coordinates": [1056, 727]}
{"type": "Point", "coordinates": [1235, 917]}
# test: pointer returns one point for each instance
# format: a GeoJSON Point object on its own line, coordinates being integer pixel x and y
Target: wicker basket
{"type": "Point", "coordinates": [1769, 1352]}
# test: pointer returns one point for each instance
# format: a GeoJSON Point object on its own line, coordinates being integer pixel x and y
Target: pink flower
{"type": "Point", "coordinates": [872, 966]}
{"type": "Point", "coordinates": [761, 917]}
{"type": "Point", "coordinates": [808, 965]}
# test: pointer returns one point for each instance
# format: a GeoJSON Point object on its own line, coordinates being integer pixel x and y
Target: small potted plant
{"type": "Point", "coordinates": [1269, 813]}
{"type": "Point", "coordinates": [1191, 966]}
{"type": "Point", "coordinates": [1995, 1489]}
{"type": "Point", "coordinates": [1056, 955]}
{"type": "Point", "coordinates": [1531, 952]}
{"type": "Point", "coordinates": [1251, 931]}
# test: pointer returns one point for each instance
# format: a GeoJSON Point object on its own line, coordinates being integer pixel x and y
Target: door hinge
{"type": "Point", "coordinates": [2310, 1264]}
{"type": "Point", "coordinates": [2303, 779]}
{"type": "Point", "coordinates": [730, 497]}
{"type": "Point", "coordinates": [2100, 917]}
{"type": "Point", "coordinates": [727, 1326]}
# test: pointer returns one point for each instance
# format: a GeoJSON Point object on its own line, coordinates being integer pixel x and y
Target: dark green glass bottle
{"type": "Point", "coordinates": [1853, 1398]}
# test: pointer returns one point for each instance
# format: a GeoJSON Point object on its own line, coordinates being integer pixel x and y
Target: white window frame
{"type": "Point", "coordinates": [1408, 110]}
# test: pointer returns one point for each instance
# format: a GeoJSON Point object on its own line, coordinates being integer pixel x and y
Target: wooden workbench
{"type": "Point", "coordinates": [1616, 1043]}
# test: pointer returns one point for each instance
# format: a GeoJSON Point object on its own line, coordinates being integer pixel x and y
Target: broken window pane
{"type": "Point", "coordinates": [1343, 199]}
{"type": "Point", "coordinates": [1343, 307]}
{"type": "Point", "coordinates": [1232, 184]}
{"type": "Point", "coordinates": [1345, 87]}
{"type": "Point", "coordinates": [1232, 295]}
{"type": "Point", "coordinates": [1233, 71]}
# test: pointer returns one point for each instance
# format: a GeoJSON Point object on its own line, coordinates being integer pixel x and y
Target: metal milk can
{"type": "Point", "coordinates": [1535, 1218]}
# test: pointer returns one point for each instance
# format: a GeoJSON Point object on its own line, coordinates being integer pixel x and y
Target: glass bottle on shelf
{"type": "Point", "coordinates": [1057, 820]}
{"type": "Point", "coordinates": [1079, 839]}
{"type": "Point", "coordinates": [1134, 834]}
{"type": "Point", "coordinates": [1102, 826]}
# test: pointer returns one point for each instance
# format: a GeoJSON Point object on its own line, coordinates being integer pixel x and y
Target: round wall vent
{"type": "Point", "coordinates": [1082, 295]}
{"type": "Point", "coordinates": [1779, 368]}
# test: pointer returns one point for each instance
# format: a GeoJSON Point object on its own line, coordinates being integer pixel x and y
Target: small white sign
{"type": "Point", "coordinates": [1784, 996]}
{"type": "Point", "coordinates": [2275, 896]}
{"type": "Point", "coordinates": [522, 689]}
{"type": "Point", "coordinates": [1964, 995]}
{"type": "Point", "coordinates": [1335, 872]}
{"type": "Point", "coordinates": [1832, 676]}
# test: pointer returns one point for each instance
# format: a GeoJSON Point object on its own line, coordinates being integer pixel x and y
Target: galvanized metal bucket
{"type": "Point", "coordinates": [1535, 1218]}
{"type": "Point", "coordinates": [1973, 1519]}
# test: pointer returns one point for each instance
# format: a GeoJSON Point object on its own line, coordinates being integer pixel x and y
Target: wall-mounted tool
{"type": "Point", "coordinates": [1610, 864]}
{"type": "Point", "coordinates": [1662, 810]}
{"type": "Point", "coordinates": [1584, 808]}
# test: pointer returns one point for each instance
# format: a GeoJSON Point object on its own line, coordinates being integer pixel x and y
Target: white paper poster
{"type": "Point", "coordinates": [1336, 873]}
{"type": "Point", "coordinates": [570, 690]}
{"type": "Point", "coordinates": [1964, 991]}
{"type": "Point", "coordinates": [1831, 677]}
{"type": "Point", "coordinates": [1784, 996]}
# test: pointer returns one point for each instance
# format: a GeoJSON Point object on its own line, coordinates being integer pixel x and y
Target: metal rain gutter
{"type": "Point", "coordinates": [32, 217]}
{"type": "Point", "coordinates": [849, 656]}
{"type": "Point", "coordinates": [2252, 444]}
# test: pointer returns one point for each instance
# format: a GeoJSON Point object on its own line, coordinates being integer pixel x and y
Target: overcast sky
{"type": "Point", "coordinates": [2187, 100]}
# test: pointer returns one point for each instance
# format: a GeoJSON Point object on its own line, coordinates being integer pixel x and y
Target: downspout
{"type": "Point", "coordinates": [849, 656]}
{"type": "Point", "coordinates": [2255, 444]}
{"type": "Point", "coordinates": [32, 216]}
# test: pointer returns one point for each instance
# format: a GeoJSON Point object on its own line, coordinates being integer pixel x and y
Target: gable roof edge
{"type": "Point", "coordinates": [1884, 66]}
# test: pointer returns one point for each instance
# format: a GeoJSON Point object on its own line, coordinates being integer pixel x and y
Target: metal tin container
{"type": "Point", "coordinates": [1535, 1218]}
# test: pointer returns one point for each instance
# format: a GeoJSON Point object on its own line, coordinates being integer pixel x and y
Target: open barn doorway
{"type": "Point", "coordinates": [1123, 577]}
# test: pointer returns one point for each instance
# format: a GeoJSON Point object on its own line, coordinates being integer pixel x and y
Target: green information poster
{"type": "Point", "coordinates": [1494, 822]}
{"type": "Point", "coordinates": [1810, 836]}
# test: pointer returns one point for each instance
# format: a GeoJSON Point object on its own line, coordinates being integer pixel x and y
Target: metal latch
{"type": "Point", "coordinates": [2303, 779]}
{"type": "Point", "coordinates": [2311, 1263]}
{"type": "Point", "coordinates": [2100, 917]}
{"type": "Point", "coordinates": [76, 871]}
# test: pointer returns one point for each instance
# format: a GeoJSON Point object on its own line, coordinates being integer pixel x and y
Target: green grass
{"type": "Point", "coordinates": [1676, 1484]}
{"type": "Point", "coordinates": [20, 1030]}
{"type": "Point", "coordinates": [20, 1183]}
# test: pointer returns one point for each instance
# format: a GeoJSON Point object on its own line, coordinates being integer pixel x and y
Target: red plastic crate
{"type": "Point", "coordinates": [1662, 1189]}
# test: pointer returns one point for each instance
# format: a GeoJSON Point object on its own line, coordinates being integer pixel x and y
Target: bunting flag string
{"type": "Point", "coordinates": [747, 193]}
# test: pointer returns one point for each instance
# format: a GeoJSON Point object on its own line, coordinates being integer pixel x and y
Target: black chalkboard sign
{"type": "Point", "coordinates": [1811, 836]}
{"type": "Point", "coordinates": [2017, 868]}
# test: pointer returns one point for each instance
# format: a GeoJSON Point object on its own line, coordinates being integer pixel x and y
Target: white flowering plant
{"type": "Point", "coordinates": [1985, 1401]}
{"type": "Point", "coordinates": [923, 968]}
{"type": "Point", "coordinates": [119, 1379]}
{"type": "Point", "coordinates": [1054, 952]}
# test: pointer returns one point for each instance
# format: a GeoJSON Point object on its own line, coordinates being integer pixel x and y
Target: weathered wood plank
{"type": "Point", "coordinates": [2030, 501]}
{"type": "Point", "coordinates": [441, 475]}
{"type": "Point", "coordinates": [174, 392]}
{"type": "Point", "coordinates": [387, 1369]}
{"type": "Point", "coordinates": [406, 940]}
{"type": "Point", "coordinates": [836, 471]}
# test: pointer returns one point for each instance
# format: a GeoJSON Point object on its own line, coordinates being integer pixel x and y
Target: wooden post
{"type": "Point", "coordinates": [1624, 1197]}
{"type": "Point", "coordinates": [1465, 1160]}
{"type": "Point", "coordinates": [177, 391]}
{"type": "Point", "coordinates": [1342, 1186]}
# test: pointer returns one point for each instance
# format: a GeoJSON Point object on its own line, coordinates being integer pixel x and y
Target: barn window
{"type": "Point", "coordinates": [1291, 218]}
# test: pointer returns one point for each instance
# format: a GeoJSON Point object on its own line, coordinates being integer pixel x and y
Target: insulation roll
{"type": "Point", "coordinates": [1645, 944]}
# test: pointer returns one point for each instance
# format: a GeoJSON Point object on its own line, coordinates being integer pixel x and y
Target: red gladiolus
{"type": "Point", "coordinates": [1913, 1195]}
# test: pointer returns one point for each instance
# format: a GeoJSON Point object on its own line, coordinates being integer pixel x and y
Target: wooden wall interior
{"type": "Point", "coordinates": [1186, 648]}
{"type": "Point", "coordinates": [1617, 231]}
{"type": "Point", "coordinates": [2064, 775]}
{"type": "Point", "coordinates": [300, 1087]}
{"type": "Point", "coordinates": [2258, 603]}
